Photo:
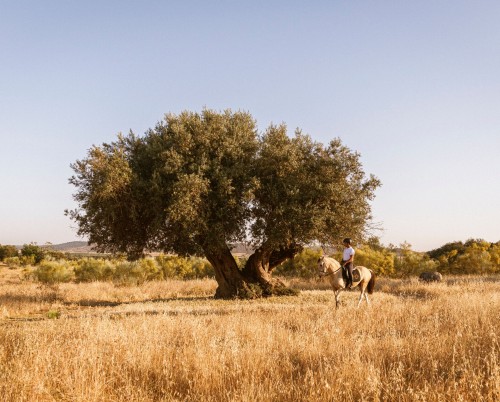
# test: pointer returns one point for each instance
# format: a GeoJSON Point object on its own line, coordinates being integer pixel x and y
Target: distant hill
{"type": "Point", "coordinates": [242, 249]}
{"type": "Point", "coordinates": [73, 247]}
{"type": "Point", "coordinates": [84, 247]}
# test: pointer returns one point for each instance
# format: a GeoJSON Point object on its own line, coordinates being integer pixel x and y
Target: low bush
{"type": "Point", "coordinates": [50, 272]}
{"type": "Point", "coordinates": [184, 268]}
{"type": "Point", "coordinates": [94, 269]}
{"type": "Point", "coordinates": [137, 272]}
{"type": "Point", "coordinates": [13, 262]}
{"type": "Point", "coordinates": [118, 270]}
{"type": "Point", "coordinates": [22, 261]}
{"type": "Point", "coordinates": [200, 268]}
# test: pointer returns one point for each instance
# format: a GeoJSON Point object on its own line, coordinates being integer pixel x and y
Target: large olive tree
{"type": "Point", "coordinates": [199, 182]}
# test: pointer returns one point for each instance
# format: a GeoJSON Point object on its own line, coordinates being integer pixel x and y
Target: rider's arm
{"type": "Point", "coordinates": [351, 259]}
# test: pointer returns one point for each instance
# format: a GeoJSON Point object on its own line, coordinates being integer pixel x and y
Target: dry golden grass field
{"type": "Point", "coordinates": [170, 341]}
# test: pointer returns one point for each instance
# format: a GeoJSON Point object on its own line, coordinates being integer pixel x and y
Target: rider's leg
{"type": "Point", "coordinates": [349, 274]}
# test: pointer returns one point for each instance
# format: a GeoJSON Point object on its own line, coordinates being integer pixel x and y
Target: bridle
{"type": "Point", "coordinates": [322, 274]}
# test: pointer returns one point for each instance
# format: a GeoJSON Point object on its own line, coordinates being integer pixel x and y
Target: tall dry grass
{"type": "Point", "coordinates": [171, 342]}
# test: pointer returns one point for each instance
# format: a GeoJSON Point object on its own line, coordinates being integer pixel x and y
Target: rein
{"type": "Point", "coordinates": [333, 272]}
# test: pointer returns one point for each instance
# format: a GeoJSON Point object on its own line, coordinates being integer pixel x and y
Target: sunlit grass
{"type": "Point", "coordinates": [172, 341]}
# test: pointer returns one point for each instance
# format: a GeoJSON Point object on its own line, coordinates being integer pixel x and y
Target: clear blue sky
{"type": "Point", "coordinates": [414, 86]}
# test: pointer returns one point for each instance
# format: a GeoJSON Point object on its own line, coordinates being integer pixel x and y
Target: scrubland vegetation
{"type": "Point", "coordinates": [475, 256]}
{"type": "Point", "coordinates": [169, 340]}
{"type": "Point", "coordinates": [94, 329]}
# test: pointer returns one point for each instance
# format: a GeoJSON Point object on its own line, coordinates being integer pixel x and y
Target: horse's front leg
{"type": "Point", "coordinates": [337, 300]}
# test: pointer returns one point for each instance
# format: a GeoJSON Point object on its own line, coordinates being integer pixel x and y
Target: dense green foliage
{"type": "Point", "coordinates": [197, 183]}
{"type": "Point", "coordinates": [382, 261]}
{"type": "Point", "coordinates": [474, 256]}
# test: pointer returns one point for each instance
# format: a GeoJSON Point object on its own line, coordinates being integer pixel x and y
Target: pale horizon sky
{"type": "Point", "coordinates": [414, 87]}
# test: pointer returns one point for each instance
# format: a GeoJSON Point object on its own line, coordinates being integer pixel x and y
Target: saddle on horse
{"type": "Point", "coordinates": [356, 275]}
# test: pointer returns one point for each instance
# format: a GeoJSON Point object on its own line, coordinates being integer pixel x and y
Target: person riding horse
{"type": "Point", "coordinates": [348, 261]}
{"type": "Point", "coordinates": [328, 266]}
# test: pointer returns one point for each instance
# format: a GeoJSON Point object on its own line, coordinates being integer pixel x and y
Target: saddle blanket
{"type": "Point", "coordinates": [356, 276]}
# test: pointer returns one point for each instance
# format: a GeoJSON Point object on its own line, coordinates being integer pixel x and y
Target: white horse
{"type": "Point", "coordinates": [361, 276]}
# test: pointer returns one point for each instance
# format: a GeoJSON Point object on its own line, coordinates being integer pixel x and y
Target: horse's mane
{"type": "Point", "coordinates": [331, 263]}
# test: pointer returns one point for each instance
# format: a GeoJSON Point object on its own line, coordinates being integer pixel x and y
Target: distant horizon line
{"type": "Point", "coordinates": [86, 242]}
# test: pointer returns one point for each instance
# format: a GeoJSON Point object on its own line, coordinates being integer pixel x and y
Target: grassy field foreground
{"type": "Point", "coordinates": [170, 341]}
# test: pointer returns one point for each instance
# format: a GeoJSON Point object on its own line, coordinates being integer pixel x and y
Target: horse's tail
{"type": "Point", "coordinates": [371, 283]}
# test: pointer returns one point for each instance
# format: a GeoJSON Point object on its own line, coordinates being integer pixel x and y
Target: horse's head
{"type": "Point", "coordinates": [322, 266]}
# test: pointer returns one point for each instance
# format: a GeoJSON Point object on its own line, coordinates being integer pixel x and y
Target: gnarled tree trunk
{"type": "Point", "coordinates": [229, 278]}
{"type": "Point", "coordinates": [255, 280]}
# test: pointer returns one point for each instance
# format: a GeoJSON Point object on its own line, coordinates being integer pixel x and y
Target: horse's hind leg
{"type": "Point", "coordinates": [363, 293]}
{"type": "Point", "coordinates": [361, 297]}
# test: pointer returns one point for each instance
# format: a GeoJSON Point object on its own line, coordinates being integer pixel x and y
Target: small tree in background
{"type": "Point", "coordinates": [474, 259]}
{"type": "Point", "coordinates": [408, 262]}
{"type": "Point", "coordinates": [8, 252]}
{"type": "Point", "coordinates": [33, 252]}
{"type": "Point", "coordinates": [494, 252]}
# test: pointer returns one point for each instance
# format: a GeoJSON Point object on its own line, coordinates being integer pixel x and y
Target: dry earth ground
{"type": "Point", "coordinates": [170, 341]}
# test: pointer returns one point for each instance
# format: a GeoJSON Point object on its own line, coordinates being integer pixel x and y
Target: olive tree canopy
{"type": "Point", "coordinates": [199, 182]}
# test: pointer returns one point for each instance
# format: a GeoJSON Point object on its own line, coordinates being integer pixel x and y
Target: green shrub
{"type": "Point", "coordinates": [184, 268]}
{"type": "Point", "coordinates": [94, 269]}
{"type": "Point", "coordinates": [174, 267]}
{"type": "Point", "coordinates": [13, 262]}
{"type": "Point", "coordinates": [50, 272]}
{"type": "Point", "coordinates": [22, 261]}
{"type": "Point", "coordinates": [137, 272]}
{"type": "Point", "coordinates": [54, 254]}
{"type": "Point", "coordinates": [303, 265]}
{"type": "Point", "coordinates": [381, 261]}
{"type": "Point", "coordinates": [475, 256]}
{"type": "Point", "coordinates": [27, 260]}
{"type": "Point", "coordinates": [149, 269]}
{"type": "Point", "coordinates": [119, 271]}
{"type": "Point", "coordinates": [201, 268]}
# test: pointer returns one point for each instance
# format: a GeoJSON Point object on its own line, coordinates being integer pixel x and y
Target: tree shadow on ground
{"type": "Point", "coordinates": [105, 303]}
{"type": "Point", "coordinates": [11, 298]}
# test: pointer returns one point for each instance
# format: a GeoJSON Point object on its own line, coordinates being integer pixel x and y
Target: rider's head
{"type": "Point", "coordinates": [347, 241]}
